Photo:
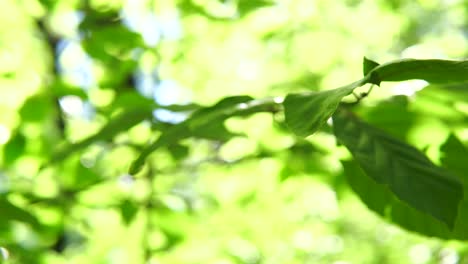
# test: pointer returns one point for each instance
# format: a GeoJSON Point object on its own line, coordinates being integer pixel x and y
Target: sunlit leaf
{"type": "Point", "coordinates": [305, 113]}
{"type": "Point", "coordinates": [433, 71]}
{"type": "Point", "coordinates": [410, 175]}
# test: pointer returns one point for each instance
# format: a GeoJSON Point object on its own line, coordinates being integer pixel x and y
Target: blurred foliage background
{"type": "Point", "coordinates": [256, 195]}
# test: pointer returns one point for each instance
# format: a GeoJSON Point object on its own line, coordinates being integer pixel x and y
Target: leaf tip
{"type": "Point", "coordinates": [368, 65]}
{"type": "Point", "coordinates": [135, 167]}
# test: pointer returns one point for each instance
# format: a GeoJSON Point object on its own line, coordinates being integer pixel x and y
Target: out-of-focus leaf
{"type": "Point", "coordinates": [368, 65]}
{"type": "Point", "coordinates": [438, 101]}
{"type": "Point", "coordinates": [181, 107]}
{"type": "Point", "coordinates": [189, 7]}
{"type": "Point", "coordinates": [60, 88]}
{"type": "Point", "coordinates": [107, 39]}
{"type": "Point", "coordinates": [128, 211]}
{"type": "Point", "coordinates": [120, 123]}
{"type": "Point", "coordinates": [393, 114]}
{"type": "Point", "coordinates": [433, 71]}
{"type": "Point", "coordinates": [130, 100]}
{"type": "Point", "coordinates": [36, 108]}
{"type": "Point", "coordinates": [14, 148]}
{"type": "Point", "coordinates": [49, 4]}
{"type": "Point", "coordinates": [12, 212]}
{"type": "Point", "coordinates": [304, 157]}
{"type": "Point", "coordinates": [97, 18]}
{"type": "Point", "coordinates": [410, 175]}
{"type": "Point", "coordinates": [305, 113]}
{"type": "Point", "coordinates": [84, 177]}
{"type": "Point", "coordinates": [207, 123]}
{"type": "Point", "coordinates": [247, 6]}
{"type": "Point", "coordinates": [178, 151]}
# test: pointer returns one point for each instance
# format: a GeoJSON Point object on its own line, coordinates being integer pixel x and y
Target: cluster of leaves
{"type": "Point", "coordinates": [393, 178]}
{"type": "Point", "coordinates": [60, 172]}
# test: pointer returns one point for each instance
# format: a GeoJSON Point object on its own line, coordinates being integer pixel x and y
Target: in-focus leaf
{"type": "Point", "coordinates": [433, 71]}
{"type": "Point", "coordinates": [305, 113]}
{"type": "Point", "coordinates": [378, 198]}
{"type": "Point", "coordinates": [368, 65]}
{"type": "Point", "coordinates": [410, 175]}
{"type": "Point", "coordinates": [454, 155]}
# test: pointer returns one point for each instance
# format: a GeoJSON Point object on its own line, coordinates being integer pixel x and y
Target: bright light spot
{"type": "Point", "coordinates": [87, 162]}
{"type": "Point", "coordinates": [247, 70]}
{"type": "Point", "coordinates": [330, 121]}
{"type": "Point", "coordinates": [4, 252]}
{"type": "Point", "coordinates": [409, 88]}
{"type": "Point", "coordinates": [117, 255]}
{"type": "Point", "coordinates": [5, 134]}
{"type": "Point", "coordinates": [169, 92]}
{"type": "Point", "coordinates": [170, 26]}
{"type": "Point", "coordinates": [420, 253]}
{"type": "Point", "coordinates": [169, 116]}
{"type": "Point", "coordinates": [4, 183]}
{"type": "Point", "coordinates": [243, 106]}
{"type": "Point", "coordinates": [448, 256]}
{"type": "Point", "coordinates": [175, 203]}
{"type": "Point", "coordinates": [244, 249]}
{"type": "Point", "coordinates": [303, 239]}
{"type": "Point", "coordinates": [332, 244]}
{"type": "Point", "coordinates": [278, 100]}
{"type": "Point", "coordinates": [72, 105]}
{"type": "Point", "coordinates": [126, 181]}
{"type": "Point", "coordinates": [75, 63]}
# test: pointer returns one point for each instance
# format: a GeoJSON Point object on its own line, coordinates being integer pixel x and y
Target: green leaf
{"type": "Point", "coordinates": [36, 108]}
{"type": "Point", "coordinates": [392, 114]}
{"type": "Point", "coordinates": [379, 198]}
{"type": "Point", "coordinates": [247, 6]}
{"type": "Point", "coordinates": [305, 113]}
{"type": "Point", "coordinates": [208, 123]}
{"type": "Point", "coordinates": [120, 123]}
{"type": "Point", "coordinates": [453, 157]}
{"type": "Point", "coordinates": [12, 212]}
{"type": "Point", "coordinates": [15, 147]}
{"type": "Point", "coordinates": [368, 65]}
{"type": "Point", "coordinates": [410, 175]}
{"type": "Point", "coordinates": [167, 138]}
{"type": "Point", "coordinates": [433, 71]}
{"type": "Point", "coordinates": [128, 211]}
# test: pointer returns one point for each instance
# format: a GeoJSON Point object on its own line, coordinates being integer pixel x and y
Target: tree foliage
{"type": "Point", "coordinates": [211, 132]}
